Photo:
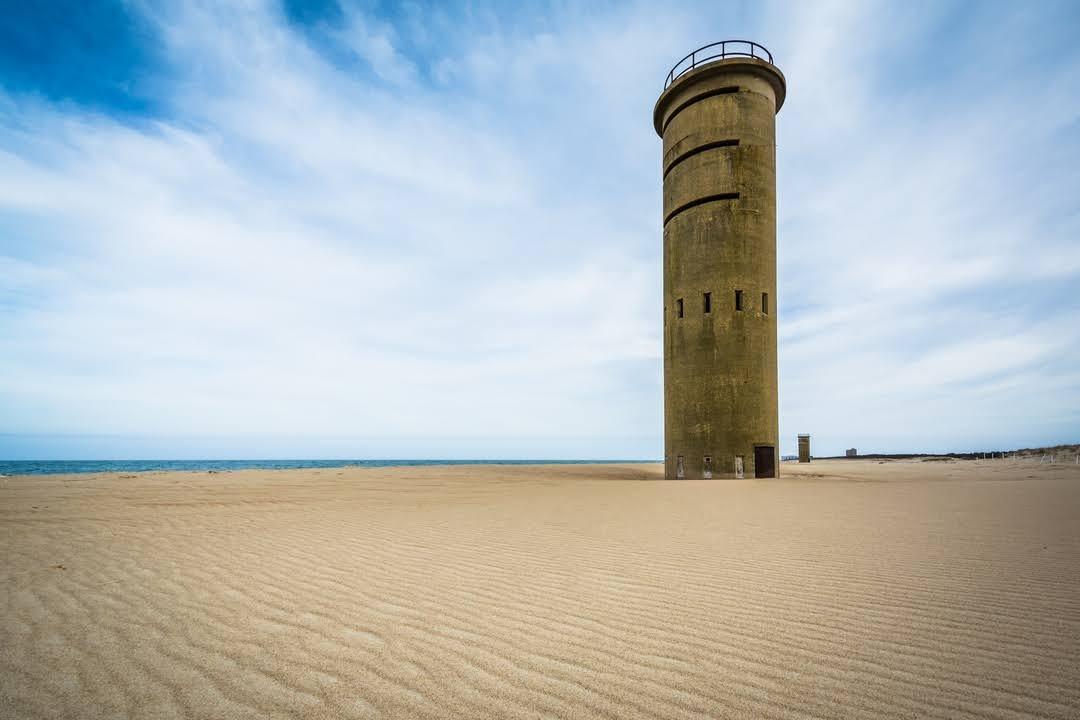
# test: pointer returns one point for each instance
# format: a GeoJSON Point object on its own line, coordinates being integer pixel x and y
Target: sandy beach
{"type": "Point", "coordinates": [843, 589]}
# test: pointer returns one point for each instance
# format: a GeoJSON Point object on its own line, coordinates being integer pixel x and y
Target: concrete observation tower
{"type": "Point", "coordinates": [717, 118]}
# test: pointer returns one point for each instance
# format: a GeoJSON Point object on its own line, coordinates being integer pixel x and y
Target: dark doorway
{"type": "Point", "coordinates": [764, 461]}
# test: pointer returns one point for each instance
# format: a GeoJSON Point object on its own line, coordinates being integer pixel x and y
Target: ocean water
{"type": "Point", "coordinates": [56, 467]}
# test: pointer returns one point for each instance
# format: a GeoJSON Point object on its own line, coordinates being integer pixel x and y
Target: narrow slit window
{"type": "Point", "coordinates": [765, 303]}
{"type": "Point", "coordinates": [738, 299]}
{"type": "Point", "coordinates": [708, 303]}
{"type": "Point", "coordinates": [678, 307]}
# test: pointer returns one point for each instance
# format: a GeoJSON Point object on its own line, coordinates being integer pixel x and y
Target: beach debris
{"type": "Point", "coordinates": [58, 567]}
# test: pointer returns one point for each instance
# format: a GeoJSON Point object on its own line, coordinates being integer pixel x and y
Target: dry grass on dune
{"type": "Point", "coordinates": [844, 589]}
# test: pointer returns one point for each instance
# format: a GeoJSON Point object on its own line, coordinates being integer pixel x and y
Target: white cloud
{"type": "Point", "coordinates": [467, 244]}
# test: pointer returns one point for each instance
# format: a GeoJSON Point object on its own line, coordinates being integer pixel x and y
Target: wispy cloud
{"type": "Point", "coordinates": [445, 223]}
{"type": "Point", "coordinates": [929, 245]}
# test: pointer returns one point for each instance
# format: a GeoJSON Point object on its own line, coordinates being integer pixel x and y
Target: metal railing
{"type": "Point", "coordinates": [708, 53]}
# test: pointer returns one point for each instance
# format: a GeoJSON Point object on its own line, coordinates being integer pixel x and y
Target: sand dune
{"type": "Point", "coordinates": [845, 589]}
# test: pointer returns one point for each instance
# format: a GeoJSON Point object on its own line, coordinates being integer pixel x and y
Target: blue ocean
{"type": "Point", "coordinates": [56, 467]}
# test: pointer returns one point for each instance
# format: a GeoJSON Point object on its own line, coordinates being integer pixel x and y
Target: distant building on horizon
{"type": "Point", "coordinates": [851, 452]}
{"type": "Point", "coordinates": [717, 119]}
{"type": "Point", "coordinates": [804, 448]}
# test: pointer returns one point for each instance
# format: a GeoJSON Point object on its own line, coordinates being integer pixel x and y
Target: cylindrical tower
{"type": "Point", "coordinates": [717, 118]}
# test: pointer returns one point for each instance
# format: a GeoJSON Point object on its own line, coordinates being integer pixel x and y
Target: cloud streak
{"type": "Point", "coordinates": [395, 230]}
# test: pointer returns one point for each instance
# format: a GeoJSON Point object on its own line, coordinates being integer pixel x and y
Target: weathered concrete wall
{"type": "Point", "coordinates": [804, 448]}
{"type": "Point", "coordinates": [718, 124]}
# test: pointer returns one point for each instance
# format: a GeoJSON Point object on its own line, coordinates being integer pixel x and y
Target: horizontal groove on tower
{"type": "Point", "coordinates": [696, 98]}
{"type": "Point", "coordinates": [700, 201]}
{"type": "Point", "coordinates": [700, 149]}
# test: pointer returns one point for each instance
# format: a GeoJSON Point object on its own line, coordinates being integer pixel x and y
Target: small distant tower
{"type": "Point", "coordinates": [717, 119]}
{"type": "Point", "coordinates": [804, 448]}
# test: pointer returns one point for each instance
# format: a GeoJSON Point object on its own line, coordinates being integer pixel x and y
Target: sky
{"type": "Point", "coordinates": [377, 230]}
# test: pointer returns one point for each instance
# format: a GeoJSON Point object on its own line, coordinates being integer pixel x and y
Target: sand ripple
{"type": "Point", "coordinates": [949, 591]}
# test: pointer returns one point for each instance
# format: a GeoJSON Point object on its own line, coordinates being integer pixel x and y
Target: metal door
{"type": "Point", "coordinates": [764, 461]}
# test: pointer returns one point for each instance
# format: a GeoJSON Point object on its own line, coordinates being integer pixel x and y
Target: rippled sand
{"type": "Point", "coordinates": [845, 589]}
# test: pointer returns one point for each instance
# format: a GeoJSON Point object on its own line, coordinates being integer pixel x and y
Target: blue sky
{"type": "Point", "coordinates": [386, 230]}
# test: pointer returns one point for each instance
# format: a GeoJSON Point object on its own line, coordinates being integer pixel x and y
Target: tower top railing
{"type": "Point", "coordinates": [717, 51]}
